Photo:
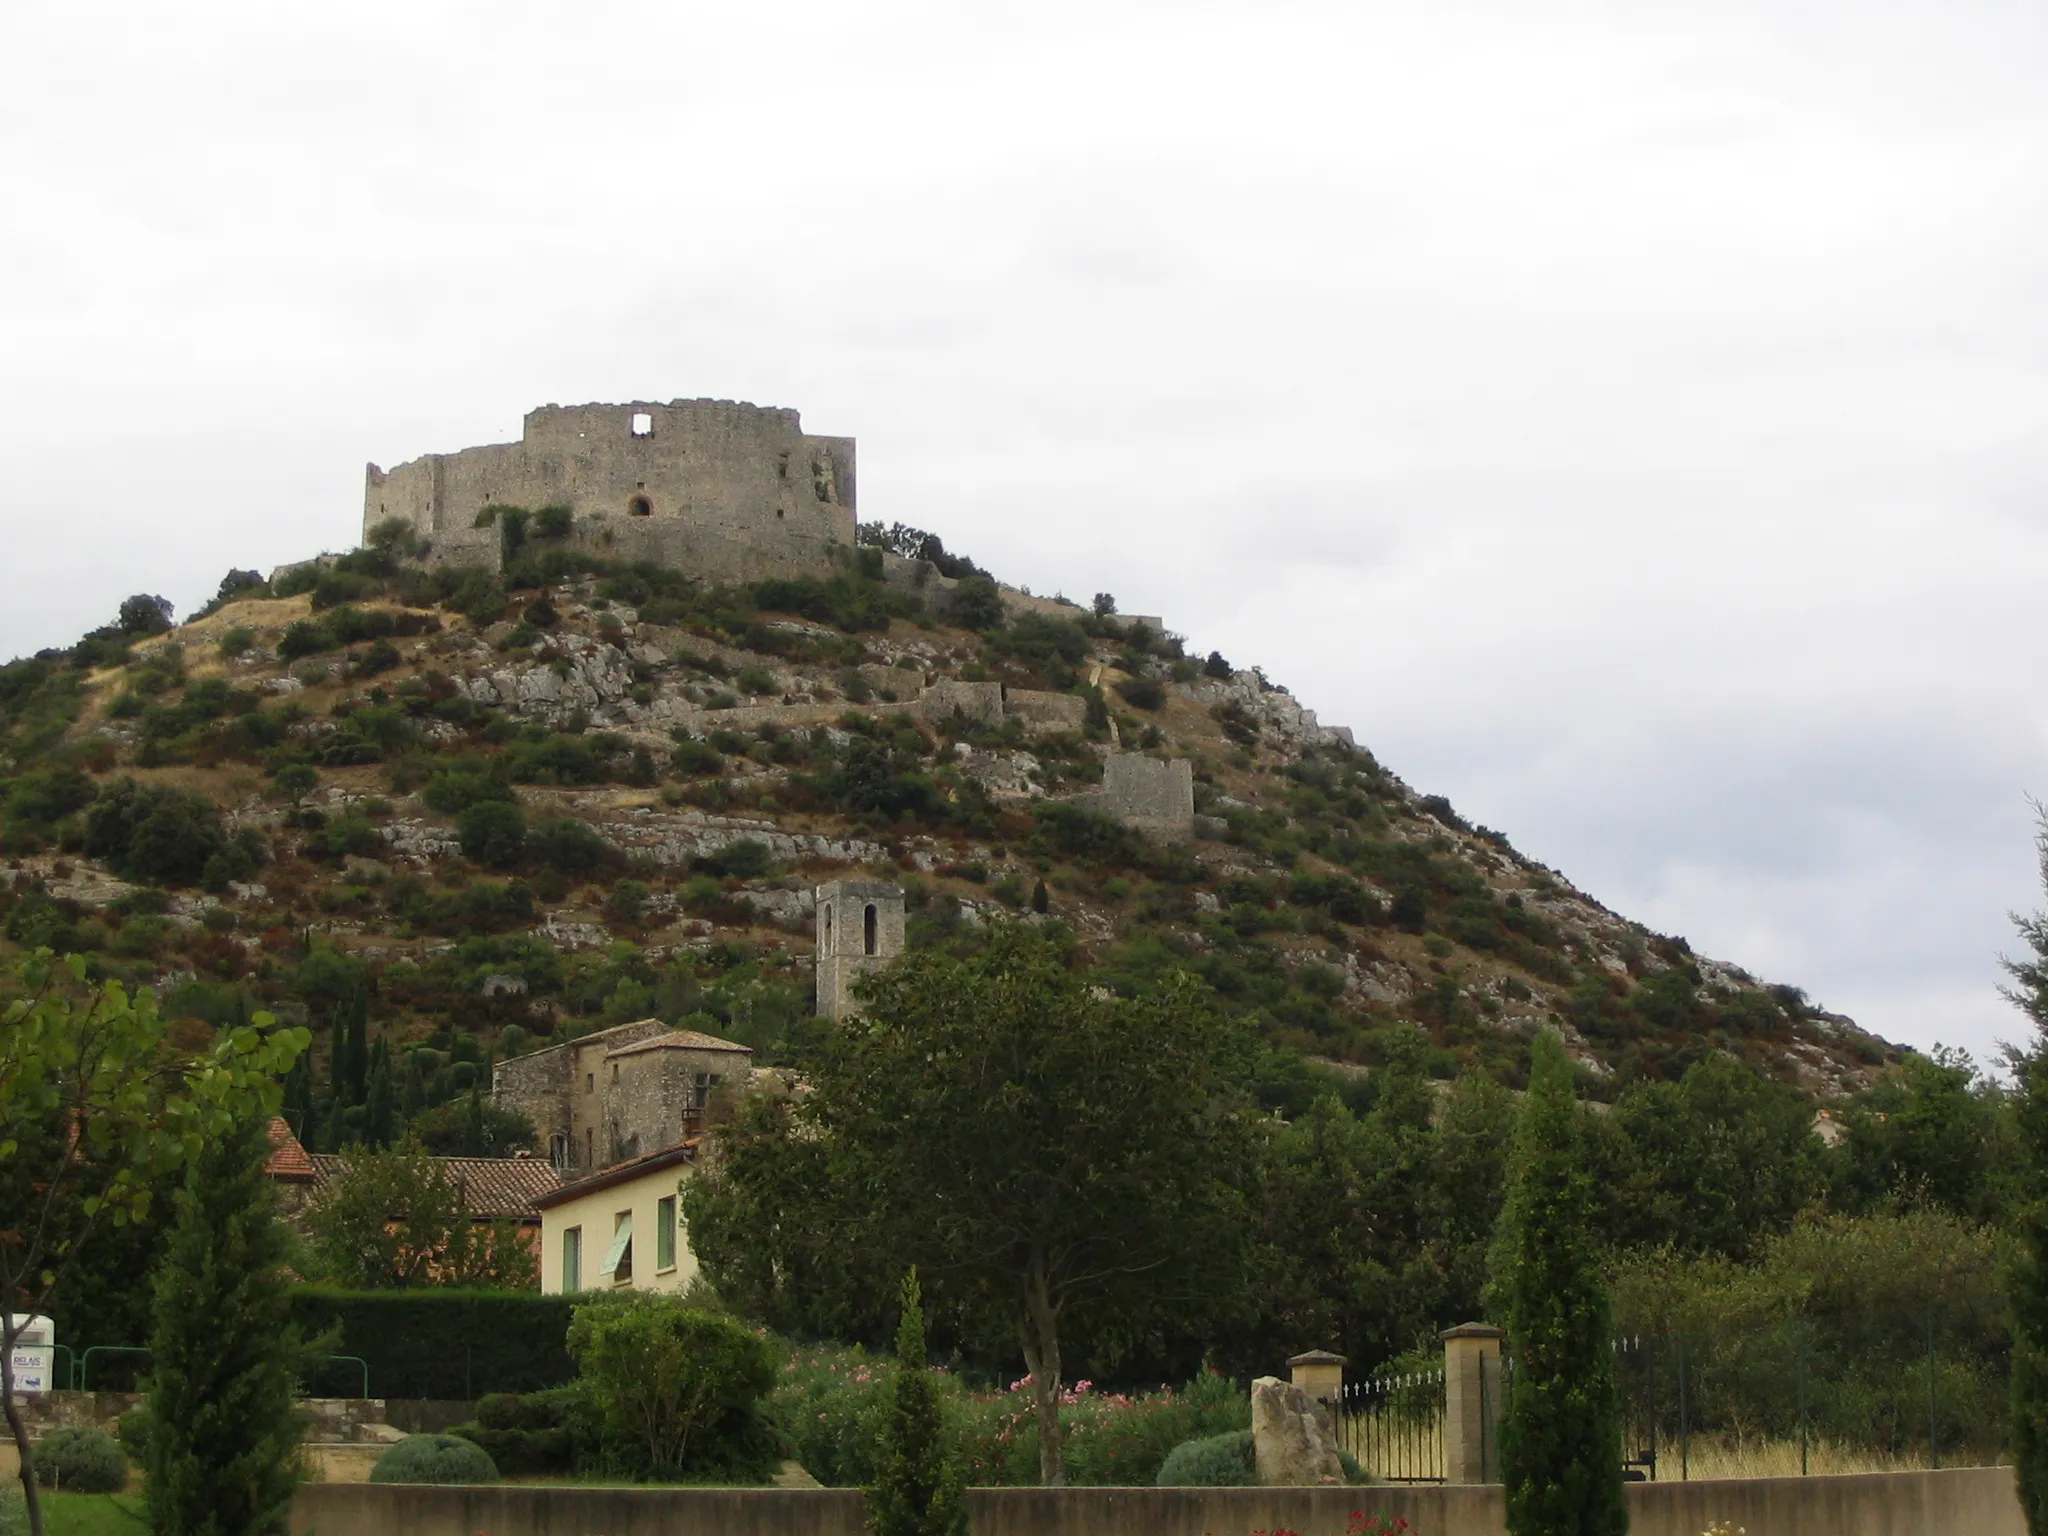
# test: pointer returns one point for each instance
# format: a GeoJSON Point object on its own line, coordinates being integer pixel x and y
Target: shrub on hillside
{"type": "Point", "coordinates": [81, 1461]}
{"type": "Point", "coordinates": [153, 832]}
{"type": "Point", "coordinates": [434, 1459]}
{"type": "Point", "coordinates": [493, 832]}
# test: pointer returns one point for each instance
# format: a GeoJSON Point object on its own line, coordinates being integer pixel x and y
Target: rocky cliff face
{"type": "Point", "coordinates": [687, 766]}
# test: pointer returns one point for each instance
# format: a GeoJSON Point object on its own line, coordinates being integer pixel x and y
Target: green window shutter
{"type": "Point", "coordinates": [572, 1259]}
{"type": "Point", "coordinates": [665, 1233]}
{"type": "Point", "coordinates": [620, 1258]}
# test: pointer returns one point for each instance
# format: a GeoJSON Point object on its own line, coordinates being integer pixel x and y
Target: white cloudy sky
{"type": "Point", "coordinates": [1631, 417]}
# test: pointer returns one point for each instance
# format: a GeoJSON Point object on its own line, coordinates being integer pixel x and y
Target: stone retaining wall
{"type": "Point", "coordinates": [1977, 1500]}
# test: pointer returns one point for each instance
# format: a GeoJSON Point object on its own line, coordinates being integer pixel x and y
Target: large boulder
{"type": "Point", "coordinates": [1292, 1446]}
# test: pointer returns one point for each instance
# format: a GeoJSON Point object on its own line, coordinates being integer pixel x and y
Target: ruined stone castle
{"type": "Point", "coordinates": [723, 489]}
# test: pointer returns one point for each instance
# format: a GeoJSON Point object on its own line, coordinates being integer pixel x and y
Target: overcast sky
{"type": "Point", "coordinates": [1631, 418]}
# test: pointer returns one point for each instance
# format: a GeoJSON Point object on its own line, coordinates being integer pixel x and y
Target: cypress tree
{"type": "Point", "coordinates": [380, 1122]}
{"type": "Point", "coordinates": [224, 1436]}
{"type": "Point", "coordinates": [2029, 1283]}
{"type": "Point", "coordinates": [917, 1488]}
{"type": "Point", "coordinates": [1561, 1434]}
{"type": "Point", "coordinates": [414, 1098]}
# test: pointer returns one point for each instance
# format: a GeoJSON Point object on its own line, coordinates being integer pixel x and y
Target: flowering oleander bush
{"type": "Point", "coordinates": [828, 1401]}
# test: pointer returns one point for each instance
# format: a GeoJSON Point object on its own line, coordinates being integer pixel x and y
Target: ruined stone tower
{"type": "Point", "coordinates": [723, 489]}
{"type": "Point", "coordinates": [860, 928]}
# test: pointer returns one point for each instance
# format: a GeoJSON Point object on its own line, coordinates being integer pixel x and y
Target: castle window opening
{"type": "Point", "coordinates": [643, 424]}
{"type": "Point", "coordinates": [868, 929]}
{"type": "Point", "coordinates": [640, 506]}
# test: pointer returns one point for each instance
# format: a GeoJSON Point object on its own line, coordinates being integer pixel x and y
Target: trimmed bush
{"type": "Point", "coordinates": [434, 1459]}
{"type": "Point", "coordinates": [81, 1461]}
{"type": "Point", "coordinates": [538, 1434]}
{"type": "Point", "coordinates": [440, 1343]}
{"type": "Point", "coordinates": [1216, 1461]}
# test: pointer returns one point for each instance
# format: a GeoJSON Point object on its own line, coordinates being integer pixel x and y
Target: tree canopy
{"type": "Point", "coordinates": [1054, 1159]}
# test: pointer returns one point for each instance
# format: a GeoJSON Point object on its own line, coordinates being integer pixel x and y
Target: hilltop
{"type": "Point", "coordinates": [489, 808]}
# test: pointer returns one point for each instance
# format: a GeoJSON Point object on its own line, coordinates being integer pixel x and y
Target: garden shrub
{"type": "Point", "coordinates": [434, 1459]}
{"type": "Point", "coordinates": [1214, 1461]}
{"type": "Point", "coordinates": [681, 1390]}
{"type": "Point", "coordinates": [81, 1461]}
{"type": "Point", "coordinates": [133, 1433]}
{"type": "Point", "coordinates": [536, 1433]}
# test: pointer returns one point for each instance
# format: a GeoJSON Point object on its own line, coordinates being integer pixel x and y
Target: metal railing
{"type": "Point", "coordinates": [1393, 1426]}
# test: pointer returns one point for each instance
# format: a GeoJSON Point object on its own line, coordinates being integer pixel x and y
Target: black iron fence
{"type": "Point", "coordinates": [1393, 1426]}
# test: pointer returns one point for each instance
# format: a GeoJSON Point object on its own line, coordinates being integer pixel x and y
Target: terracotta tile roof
{"type": "Point", "coordinates": [679, 1040]}
{"type": "Point", "coordinates": [288, 1160]}
{"type": "Point", "coordinates": [495, 1187]}
{"type": "Point", "coordinates": [621, 1173]}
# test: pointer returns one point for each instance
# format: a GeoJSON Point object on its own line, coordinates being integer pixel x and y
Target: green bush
{"type": "Point", "coordinates": [434, 1459]}
{"type": "Point", "coordinates": [1142, 693]}
{"type": "Point", "coordinates": [681, 1390]}
{"type": "Point", "coordinates": [537, 1434]}
{"type": "Point", "coordinates": [436, 1343]}
{"type": "Point", "coordinates": [493, 832]}
{"type": "Point", "coordinates": [569, 845]}
{"type": "Point", "coordinates": [1215, 1461]}
{"type": "Point", "coordinates": [153, 833]}
{"type": "Point", "coordinates": [81, 1461]}
{"type": "Point", "coordinates": [133, 1432]}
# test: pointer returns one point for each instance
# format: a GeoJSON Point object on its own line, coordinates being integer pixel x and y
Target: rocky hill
{"type": "Point", "coordinates": [483, 811]}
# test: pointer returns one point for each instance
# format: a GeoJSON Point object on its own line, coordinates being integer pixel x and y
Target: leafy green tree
{"type": "Point", "coordinates": [1932, 1132]}
{"type": "Point", "coordinates": [472, 1126]}
{"type": "Point", "coordinates": [917, 1489]}
{"type": "Point", "coordinates": [1710, 1164]}
{"type": "Point", "coordinates": [673, 1381]}
{"type": "Point", "coordinates": [1053, 1159]}
{"type": "Point", "coordinates": [224, 1436]}
{"type": "Point", "coordinates": [99, 1100]}
{"type": "Point", "coordinates": [1561, 1433]}
{"type": "Point", "coordinates": [153, 832]}
{"type": "Point", "coordinates": [2029, 993]}
{"type": "Point", "coordinates": [397, 1218]}
{"type": "Point", "coordinates": [143, 614]}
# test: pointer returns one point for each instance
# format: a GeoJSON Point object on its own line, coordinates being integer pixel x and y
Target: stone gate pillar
{"type": "Point", "coordinates": [1472, 1403]}
{"type": "Point", "coordinates": [1321, 1375]}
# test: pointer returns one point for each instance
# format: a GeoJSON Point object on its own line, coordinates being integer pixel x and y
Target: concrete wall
{"type": "Point", "coordinates": [724, 489]}
{"type": "Point", "coordinates": [596, 1215]}
{"type": "Point", "coordinates": [1976, 1501]}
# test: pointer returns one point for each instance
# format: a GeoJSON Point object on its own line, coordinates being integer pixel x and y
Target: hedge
{"type": "Point", "coordinates": [434, 1343]}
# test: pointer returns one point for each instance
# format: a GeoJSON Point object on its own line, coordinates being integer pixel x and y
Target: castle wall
{"type": "Point", "coordinates": [1152, 795]}
{"type": "Point", "coordinates": [735, 491]}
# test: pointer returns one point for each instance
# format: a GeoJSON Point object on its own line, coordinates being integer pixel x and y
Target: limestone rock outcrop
{"type": "Point", "coordinates": [1292, 1446]}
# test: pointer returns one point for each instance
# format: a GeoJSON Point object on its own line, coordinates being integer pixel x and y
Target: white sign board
{"type": "Point", "coordinates": [30, 1366]}
{"type": "Point", "coordinates": [29, 1361]}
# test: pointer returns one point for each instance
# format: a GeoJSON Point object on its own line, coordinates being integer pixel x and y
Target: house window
{"type": "Point", "coordinates": [643, 424]}
{"type": "Point", "coordinates": [869, 930]}
{"type": "Point", "coordinates": [665, 1233]}
{"type": "Point", "coordinates": [619, 1262]}
{"type": "Point", "coordinates": [572, 1259]}
{"type": "Point", "coordinates": [590, 1082]}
